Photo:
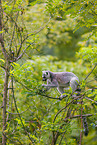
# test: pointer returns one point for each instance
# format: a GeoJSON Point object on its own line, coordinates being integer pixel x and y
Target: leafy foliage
{"type": "Point", "coordinates": [43, 109]}
{"type": "Point", "coordinates": [89, 54]}
{"type": "Point", "coordinates": [82, 11]}
{"type": "Point", "coordinates": [30, 114]}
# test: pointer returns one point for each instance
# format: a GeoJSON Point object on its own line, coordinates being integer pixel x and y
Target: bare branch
{"type": "Point", "coordinates": [91, 100]}
{"type": "Point", "coordinates": [12, 39]}
{"type": "Point", "coordinates": [66, 106]}
{"type": "Point", "coordinates": [91, 71]}
{"type": "Point", "coordinates": [81, 124]}
{"type": "Point", "coordinates": [13, 141]}
{"type": "Point", "coordinates": [16, 25]}
{"type": "Point", "coordinates": [17, 113]}
{"type": "Point", "coordinates": [2, 66]}
{"type": "Point", "coordinates": [23, 53]}
{"type": "Point", "coordinates": [77, 116]}
{"type": "Point", "coordinates": [28, 35]}
{"type": "Point", "coordinates": [1, 35]}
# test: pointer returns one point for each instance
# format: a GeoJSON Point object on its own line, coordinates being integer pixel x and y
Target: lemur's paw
{"type": "Point", "coordinates": [63, 96]}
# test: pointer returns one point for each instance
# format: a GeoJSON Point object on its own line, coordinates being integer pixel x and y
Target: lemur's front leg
{"type": "Point", "coordinates": [50, 85]}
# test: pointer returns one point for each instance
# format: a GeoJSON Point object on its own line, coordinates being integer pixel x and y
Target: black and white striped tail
{"type": "Point", "coordinates": [85, 126]}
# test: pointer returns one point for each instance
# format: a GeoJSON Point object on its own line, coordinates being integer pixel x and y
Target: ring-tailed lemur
{"type": "Point", "coordinates": [61, 80]}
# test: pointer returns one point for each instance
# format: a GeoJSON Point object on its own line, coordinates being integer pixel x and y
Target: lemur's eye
{"type": "Point", "coordinates": [46, 73]}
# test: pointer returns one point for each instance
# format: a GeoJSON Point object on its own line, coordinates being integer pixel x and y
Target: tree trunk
{"type": "Point", "coordinates": [7, 66]}
{"type": "Point", "coordinates": [4, 105]}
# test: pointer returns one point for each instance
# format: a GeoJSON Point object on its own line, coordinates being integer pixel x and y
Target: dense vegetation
{"type": "Point", "coordinates": [47, 35]}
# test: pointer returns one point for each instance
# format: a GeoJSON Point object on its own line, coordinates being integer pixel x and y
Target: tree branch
{"type": "Point", "coordinates": [95, 79]}
{"type": "Point", "coordinates": [1, 34]}
{"type": "Point", "coordinates": [91, 71]}
{"type": "Point", "coordinates": [2, 66]}
{"type": "Point", "coordinates": [17, 113]}
{"type": "Point", "coordinates": [91, 100]}
{"type": "Point", "coordinates": [21, 55]}
{"type": "Point", "coordinates": [28, 35]}
{"type": "Point", "coordinates": [16, 25]}
{"type": "Point", "coordinates": [12, 140]}
{"type": "Point", "coordinates": [81, 124]}
{"type": "Point", "coordinates": [77, 116]}
{"type": "Point", "coordinates": [66, 106]}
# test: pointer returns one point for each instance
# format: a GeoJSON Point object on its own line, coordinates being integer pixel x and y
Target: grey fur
{"type": "Point", "coordinates": [60, 80]}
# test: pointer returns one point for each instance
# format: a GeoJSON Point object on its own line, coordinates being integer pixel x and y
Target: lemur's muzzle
{"type": "Point", "coordinates": [44, 79]}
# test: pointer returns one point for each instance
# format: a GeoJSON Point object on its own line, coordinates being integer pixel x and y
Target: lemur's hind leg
{"type": "Point", "coordinates": [61, 90]}
{"type": "Point", "coordinates": [74, 84]}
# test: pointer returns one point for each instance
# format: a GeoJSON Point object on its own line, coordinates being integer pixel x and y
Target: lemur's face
{"type": "Point", "coordinates": [45, 75]}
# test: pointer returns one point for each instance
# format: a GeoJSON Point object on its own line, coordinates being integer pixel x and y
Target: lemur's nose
{"type": "Point", "coordinates": [44, 79]}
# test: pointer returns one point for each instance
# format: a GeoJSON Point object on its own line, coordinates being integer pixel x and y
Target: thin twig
{"type": "Point", "coordinates": [12, 39]}
{"type": "Point", "coordinates": [91, 100]}
{"type": "Point", "coordinates": [91, 71]}
{"type": "Point", "coordinates": [21, 55]}
{"type": "Point", "coordinates": [17, 113]}
{"type": "Point", "coordinates": [66, 106]}
{"type": "Point", "coordinates": [77, 116]}
{"type": "Point", "coordinates": [2, 66]}
{"type": "Point", "coordinates": [81, 124]}
{"type": "Point", "coordinates": [91, 80]}
{"type": "Point", "coordinates": [12, 140]}
{"type": "Point", "coordinates": [21, 120]}
{"type": "Point", "coordinates": [28, 35]}
{"type": "Point", "coordinates": [61, 138]}
{"type": "Point", "coordinates": [15, 25]}
{"type": "Point", "coordinates": [8, 101]}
